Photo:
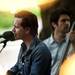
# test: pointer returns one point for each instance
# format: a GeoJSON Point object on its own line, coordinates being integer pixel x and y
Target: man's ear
{"type": "Point", "coordinates": [27, 30]}
{"type": "Point", "coordinates": [54, 25]}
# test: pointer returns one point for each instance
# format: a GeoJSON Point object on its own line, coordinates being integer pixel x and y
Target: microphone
{"type": "Point", "coordinates": [8, 36]}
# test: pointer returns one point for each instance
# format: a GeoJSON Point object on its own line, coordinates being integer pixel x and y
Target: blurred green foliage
{"type": "Point", "coordinates": [6, 19]}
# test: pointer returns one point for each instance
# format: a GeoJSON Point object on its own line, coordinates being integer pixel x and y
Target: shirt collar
{"type": "Point", "coordinates": [53, 40]}
{"type": "Point", "coordinates": [33, 43]}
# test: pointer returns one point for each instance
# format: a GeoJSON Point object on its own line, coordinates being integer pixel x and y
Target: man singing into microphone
{"type": "Point", "coordinates": [34, 57]}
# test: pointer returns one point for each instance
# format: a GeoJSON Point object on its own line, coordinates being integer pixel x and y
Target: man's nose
{"type": "Point", "coordinates": [67, 23]}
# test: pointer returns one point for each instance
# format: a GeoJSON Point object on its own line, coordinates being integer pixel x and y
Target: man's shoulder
{"type": "Point", "coordinates": [42, 45]}
{"type": "Point", "coordinates": [42, 49]}
{"type": "Point", "coordinates": [47, 41]}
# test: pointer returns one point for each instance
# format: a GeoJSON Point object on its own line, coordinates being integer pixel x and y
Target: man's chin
{"type": "Point", "coordinates": [17, 38]}
{"type": "Point", "coordinates": [64, 34]}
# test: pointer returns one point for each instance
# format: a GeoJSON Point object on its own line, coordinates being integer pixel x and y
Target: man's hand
{"type": "Point", "coordinates": [72, 38]}
{"type": "Point", "coordinates": [9, 72]}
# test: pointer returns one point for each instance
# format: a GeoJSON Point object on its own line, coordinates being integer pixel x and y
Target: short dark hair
{"type": "Point", "coordinates": [56, 13]}
{"type": "Point", "coordinates": [28, 20]}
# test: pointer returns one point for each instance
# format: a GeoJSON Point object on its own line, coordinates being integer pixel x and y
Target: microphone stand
{"type": "Point", "coordinates": [5, 42]}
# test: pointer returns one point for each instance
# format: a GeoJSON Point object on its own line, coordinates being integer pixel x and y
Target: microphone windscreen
{"type": "Point", "coordinates": [9, 36]}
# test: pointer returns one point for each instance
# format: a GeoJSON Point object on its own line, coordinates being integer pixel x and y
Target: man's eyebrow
{"type": "Point", "coordinates": [65, 19]}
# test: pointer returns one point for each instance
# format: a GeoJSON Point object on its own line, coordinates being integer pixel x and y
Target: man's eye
{"type": "Point", "coordinates": [65, 20]}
